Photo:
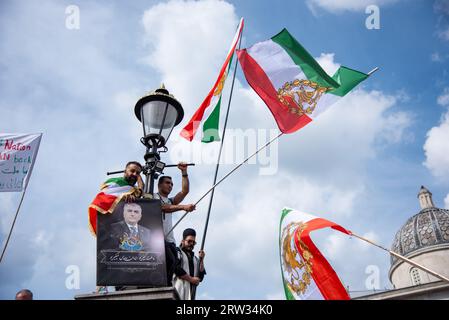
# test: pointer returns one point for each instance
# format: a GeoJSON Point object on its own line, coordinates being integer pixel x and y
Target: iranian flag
{"type": "Point", "coordinates": [210, 108]}
{"type": "Point", "coordinates": [305, 272]}
{"type": "Point", "coordinates": [291, 82]}
{"type": "Point", "coordinates": [111, 192]}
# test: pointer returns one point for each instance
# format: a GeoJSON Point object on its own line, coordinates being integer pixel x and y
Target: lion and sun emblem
{"type": "Point", "coordinates": [298, 270]}
{"type": "Point", "coordinates": [301, 96]}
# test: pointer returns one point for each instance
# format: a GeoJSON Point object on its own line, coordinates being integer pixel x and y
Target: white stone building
{"type": "Point", "coordinates": [424, 239]}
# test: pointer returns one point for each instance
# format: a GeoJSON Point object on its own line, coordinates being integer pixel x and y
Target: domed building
{"type": "Point", "coordinates": [424, 239]}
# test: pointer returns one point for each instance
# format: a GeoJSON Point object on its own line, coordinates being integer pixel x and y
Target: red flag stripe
{"type": "Point", "coordinates": [190, 129]}
{"type": "Point", "coordinates": [103, 203]}
{"type": "Point", "coordinates": [323, 274]}
{"type": "Point", "coordinates": [259, 81]}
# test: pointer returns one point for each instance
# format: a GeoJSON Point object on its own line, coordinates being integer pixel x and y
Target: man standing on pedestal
{"type": "Point", "coordinates": [170, 205]}
{"type": "Point", "coordinates": [192, 268]}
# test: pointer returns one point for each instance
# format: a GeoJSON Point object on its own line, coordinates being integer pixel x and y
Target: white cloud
{"type": "Point", "coordinates": [395, 124]}
{"type": "Point", "coordinates": [443, 100]}
{"type": "Point", "coordinates": [436, 149]}
{"type": "Point", "coordinates": [53, 276]}
{"type": "Point", "coordinates": [337, 244]}
{"type": "Point", "coordinates": [345, 5]}
{"type": "Point", "coordinates": [42, 239]}
{"type": "Point", "coordinates": [341, 141]}
{"type": "Point", "coordinates": [395, 127]}
{"type": "Point", "coordinates": [370, 235]}
{"type": "Point", "coordinates": [9, 203]}
{"type": "Point", "coordinates": [326, 61]}
{"type": "Point", "coordinates": [189, 47]}
{"type": "Point", "coordinates": [446, 202]}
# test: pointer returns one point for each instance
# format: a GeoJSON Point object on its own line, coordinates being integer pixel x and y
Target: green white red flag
{"type": "Point", "coordinates": [210, 108]}
{"type": "Point", "coordinates": [111, 192]}
{"type": "Point", "coordinates": [306, 274]}
{"type": "Point", "coordinates": [291, 82]}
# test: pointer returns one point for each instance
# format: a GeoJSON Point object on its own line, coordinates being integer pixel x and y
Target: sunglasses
{"type": "Point", "coordinates": [191, 241]}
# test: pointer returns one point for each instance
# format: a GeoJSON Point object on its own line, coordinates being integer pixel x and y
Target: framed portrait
{"type": "Point", "coordinates": [130, 245]}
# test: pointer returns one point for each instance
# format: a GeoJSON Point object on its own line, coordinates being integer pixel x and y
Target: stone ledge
{"type": "Point", "coordinates": [424, 291]}
{"type": "Point", "coordinates": [162, 293]}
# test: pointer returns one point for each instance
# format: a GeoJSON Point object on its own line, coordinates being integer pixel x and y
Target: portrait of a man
{"type": "Point", "coordinates": [128, 234]}
{"type": "Point", "coordinates": [130, 245]}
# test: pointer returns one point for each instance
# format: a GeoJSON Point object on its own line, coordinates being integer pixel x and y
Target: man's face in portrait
{"type": "Point", "coordinates": [132, 213]}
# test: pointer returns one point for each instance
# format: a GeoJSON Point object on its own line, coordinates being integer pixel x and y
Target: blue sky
{"type": "Point", "coordinates": [361, 164]}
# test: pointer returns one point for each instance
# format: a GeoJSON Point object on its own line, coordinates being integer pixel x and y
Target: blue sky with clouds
{"type": "Point", "coordinates": [360, 164]}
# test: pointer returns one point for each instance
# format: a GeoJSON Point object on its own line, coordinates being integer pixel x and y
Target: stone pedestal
{"type": "Point", "coordinates": [162, 293]}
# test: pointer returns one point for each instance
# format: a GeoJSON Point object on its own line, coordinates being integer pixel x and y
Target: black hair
{"type": "Point", "coordinates": [188, 232]}
{"type": "Point", "coordinates": [162, 178]}
{"type": "Point", "coordinates": [25, 291]}
{"type": "Point", "coordinates": [134, 162]}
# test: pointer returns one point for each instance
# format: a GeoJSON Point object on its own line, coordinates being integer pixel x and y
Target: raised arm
{"type": "Point", "coordinates": [185, 185]}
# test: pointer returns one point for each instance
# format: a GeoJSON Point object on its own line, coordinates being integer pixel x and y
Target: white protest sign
{"type": "Point", "coordinates": [17, 155]}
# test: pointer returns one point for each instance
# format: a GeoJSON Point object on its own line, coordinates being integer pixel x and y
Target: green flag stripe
{"type": "Point", "coordinates": [288, 294]}
{"type": "Point", "coordinates": [343, 81]}
{"type": "Point", "coordinates": [301, 57]}
{"type": "Point", "coordinates": [285, 211]}
{"type": "Point", "coordinates": [348, 79]}
{"type": "Point", "coordinates": [229, 65]}
{"type": "Point", "coordinates": [120, 181]}
{"type": "Point", "coordinates": [210, 126]}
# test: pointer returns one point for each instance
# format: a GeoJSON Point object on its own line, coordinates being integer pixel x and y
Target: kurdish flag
{"type": "Point", "coordinates": [111, 192]}
{"type": "Point", "coordinates": [291, 83]}
{"type": "Point", "coordinates": [212, 102]}
{"type": "Point", "coordinates": [305, 272]}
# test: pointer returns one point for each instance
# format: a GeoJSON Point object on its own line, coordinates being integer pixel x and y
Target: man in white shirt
{"type": "Point", "coordinates": [170, 205]}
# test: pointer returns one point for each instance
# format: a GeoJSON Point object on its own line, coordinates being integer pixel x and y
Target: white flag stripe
{"type": "Point", "coordinates": [312, 292]}
{"type": "Point", "coordinates": [116, 190]}
{"type": "Point", "coordinates": [277, 64]}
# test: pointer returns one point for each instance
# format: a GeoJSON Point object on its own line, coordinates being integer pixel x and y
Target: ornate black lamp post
{"type": "Point", "coordinates": [159, 113]}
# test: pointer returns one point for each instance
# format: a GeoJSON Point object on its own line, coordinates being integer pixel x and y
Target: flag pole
{"type": "Point", "coordinates": [221, 148]}
{"type": "Point", "coordinates": [413, 263]}
{"type": "Point", "coordinates": [227, 175]}
{"type": "Point", "coordinates": [372, 71]}
{"type": "Point", "coordinates": [12, 226]}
